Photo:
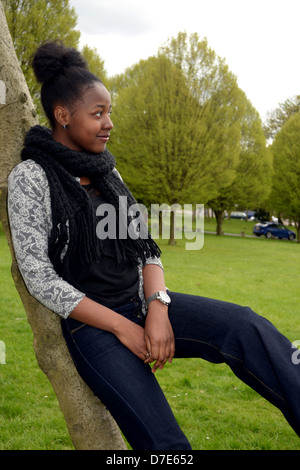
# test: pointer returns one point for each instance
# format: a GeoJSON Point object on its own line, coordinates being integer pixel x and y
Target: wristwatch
{"type": "Point", "coordinates": [161, 296]}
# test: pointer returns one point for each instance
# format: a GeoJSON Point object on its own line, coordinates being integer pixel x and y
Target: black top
{"type": "Point", "coordinates": [107, 282]}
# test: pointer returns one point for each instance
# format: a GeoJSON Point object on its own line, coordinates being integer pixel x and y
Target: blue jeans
{"type": "Point", "coordinates": [204, 328]}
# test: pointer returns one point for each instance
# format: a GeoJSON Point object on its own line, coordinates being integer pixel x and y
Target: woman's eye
{"type": "Point", "coordinates": [100, 113]}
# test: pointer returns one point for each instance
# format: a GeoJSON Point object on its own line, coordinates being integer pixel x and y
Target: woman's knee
{"type": "Point", "coordinates": [249, 333]}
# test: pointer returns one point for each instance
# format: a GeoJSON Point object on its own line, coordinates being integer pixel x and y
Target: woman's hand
{"type": "Point", "coordinates": [159, 335]}
{"type": "Point", "coordinates": [133, 337]}
{"type": "Point", "coordinates": [129, 333]}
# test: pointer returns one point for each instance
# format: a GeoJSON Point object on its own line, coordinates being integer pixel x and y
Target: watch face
{"type": "Point", "coordinates": [165, 297]}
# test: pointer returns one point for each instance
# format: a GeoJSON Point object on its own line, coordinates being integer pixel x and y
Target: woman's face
{"type": "Point", "coordinates": [89, 123]}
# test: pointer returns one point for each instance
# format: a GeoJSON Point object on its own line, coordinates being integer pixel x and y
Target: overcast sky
{"type": "Point", "coordinates": [259, 39]}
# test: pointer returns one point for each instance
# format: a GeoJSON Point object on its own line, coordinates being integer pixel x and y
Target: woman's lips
{"type": "Point", "coordinates": [104, 138]}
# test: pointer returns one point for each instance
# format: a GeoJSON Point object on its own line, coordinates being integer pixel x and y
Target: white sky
{"type": "Point", "coordinates": [259, 39]}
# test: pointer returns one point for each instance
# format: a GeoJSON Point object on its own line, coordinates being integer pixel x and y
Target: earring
{"type": "Point", "coordinates": [64, 126]}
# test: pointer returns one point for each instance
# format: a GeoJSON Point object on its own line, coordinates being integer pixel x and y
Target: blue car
{"type": "Point", "coordinates": [271, 229]}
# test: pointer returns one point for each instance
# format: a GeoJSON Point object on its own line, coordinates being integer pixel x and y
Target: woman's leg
{"type": "Point", "coordinates": [125, 385]}
{"type": "Point", "coordinates": [254, 349]}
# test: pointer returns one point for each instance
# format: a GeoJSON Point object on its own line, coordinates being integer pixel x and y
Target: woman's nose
{"type": "Point", "coordinates": [108, 123]}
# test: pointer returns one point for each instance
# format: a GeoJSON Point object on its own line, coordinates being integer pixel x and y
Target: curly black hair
{"type": "Point", "coordinates": [64, 75]}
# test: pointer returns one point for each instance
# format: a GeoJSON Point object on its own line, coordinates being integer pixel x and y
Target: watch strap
{"type": "Point", "coordinates": [157, 295]}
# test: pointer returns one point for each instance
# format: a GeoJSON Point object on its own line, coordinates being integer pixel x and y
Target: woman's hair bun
{"type": "Point", "coordinates": [54, 58]}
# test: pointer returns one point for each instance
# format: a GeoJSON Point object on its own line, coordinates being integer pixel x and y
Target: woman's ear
{"type": "Point", "coordinates": [61, 115]}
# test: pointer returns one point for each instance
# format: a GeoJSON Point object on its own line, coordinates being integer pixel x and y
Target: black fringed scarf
{"type": "Point", "coordinates": [73, 217]}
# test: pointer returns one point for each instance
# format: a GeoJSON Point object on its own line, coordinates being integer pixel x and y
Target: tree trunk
{"type": "Point", "coordinates": [172, 228]}
{"type": "Point", "coordinates": [90, 425]}
{"type": "Point", "coordinates": [297, 225]}
{"type": "Point", "coordinates": [219, 218]}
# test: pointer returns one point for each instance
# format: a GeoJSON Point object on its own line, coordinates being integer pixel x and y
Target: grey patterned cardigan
{"type": "Point", "coordinates": [29, 210]}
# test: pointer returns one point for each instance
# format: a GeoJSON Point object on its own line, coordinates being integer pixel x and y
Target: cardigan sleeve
{"type": "Point", "coordinates": [29, 210]}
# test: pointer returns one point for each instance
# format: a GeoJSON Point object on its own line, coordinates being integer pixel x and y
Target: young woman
{"type": "Point", "coordinates": [117, 316]}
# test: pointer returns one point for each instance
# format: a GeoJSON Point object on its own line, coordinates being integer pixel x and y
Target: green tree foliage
{"type": "Point", "coordinates": [215, 89]}
{"type": "Point", "coordinates": [277, 118]}
{"type": "Point", "coordinates": [96, 64]}
{"type": "Point", "coordinates": [286, 183]}
{"type": "Point", "coordinates": [32, 22]}
{"type": "Point", "coordinates": [157, 133]}
{"type": "Point", "coordinates": [252, 183]}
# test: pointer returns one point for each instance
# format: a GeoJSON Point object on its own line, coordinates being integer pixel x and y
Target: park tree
{"type": "Point", "coordinates": [177, 127]}
{"type": "Point", "coordinates": [252, 182]}
{"type": "Point", "coordinates": [157, 135]}
{"type": "Point", "coordinates": [220, 101]}
{"type": "Point", "coordinates": [156, 132]}
{"type": "Point", "coordinates": [90, 425]}
{"type": "Point", "coordinates": [285, 195]}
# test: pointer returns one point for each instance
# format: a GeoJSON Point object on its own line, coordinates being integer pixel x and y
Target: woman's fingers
{"type": "Point", "coordinates": [160, 353]}
{"type": "Point", "coordinates": [159, 337]}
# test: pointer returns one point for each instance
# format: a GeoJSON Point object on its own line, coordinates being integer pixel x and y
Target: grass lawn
{"type": "Point", "coordinates": [215, 410]}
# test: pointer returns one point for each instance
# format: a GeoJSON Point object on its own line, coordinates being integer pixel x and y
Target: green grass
{"type": "Point", "coordinates": [215, 409]}
{"type": "Point", "coordinates": [230, 226]}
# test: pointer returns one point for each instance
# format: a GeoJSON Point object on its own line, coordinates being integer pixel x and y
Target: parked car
{"type": "Point", "coordinates": [271, 229]}
{"type": "Point", "coordinates": [238, 215]}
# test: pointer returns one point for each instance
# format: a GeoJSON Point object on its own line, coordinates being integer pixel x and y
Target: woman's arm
{"type": "Point", "coordinates": [159, 335]}
{"type": "Point", "coordinates": [30, 222]}
{"type": "Point", "coordinates": [29, 210]}
{"type": "Point", "coordinates": [128, 332]}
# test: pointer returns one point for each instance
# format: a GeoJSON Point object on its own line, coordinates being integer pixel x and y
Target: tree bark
{"type": "Point", "coordinates": [172, 228]}
{"type": "Point", "coordinates": [219, 214]}
{"type": "Point", "coordinates": [90, 425]}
